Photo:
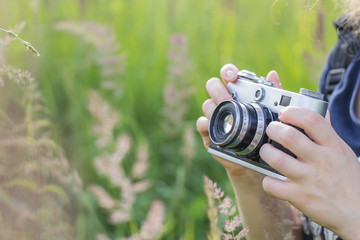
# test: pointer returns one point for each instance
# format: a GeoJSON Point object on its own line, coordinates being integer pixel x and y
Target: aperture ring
{"type": "Point", "coordinates": [260, 129]}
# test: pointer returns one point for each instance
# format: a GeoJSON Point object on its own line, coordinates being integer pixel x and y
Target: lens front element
{"type": "Point", "coordinates": [228, 123]}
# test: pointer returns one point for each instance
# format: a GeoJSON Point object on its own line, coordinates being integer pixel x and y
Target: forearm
{"type": "Point", "coordinates": [265, 216]}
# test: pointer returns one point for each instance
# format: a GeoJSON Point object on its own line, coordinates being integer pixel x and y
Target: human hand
{"type": "Point", "coordinates": [323, 182]}
{"type": "Point", "coordinates": [219, 93]}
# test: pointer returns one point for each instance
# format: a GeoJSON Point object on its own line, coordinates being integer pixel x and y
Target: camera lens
{"type": "Point", "coordinates": [240, 126]}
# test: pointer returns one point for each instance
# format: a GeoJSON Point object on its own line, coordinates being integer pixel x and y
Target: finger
{"type": "Point", "coordinates": [284, 163]}
{"type": "Point", "coordinates": [217, 90]}
{"type": "Point", "coordinates": [315, 126]}
{"type": "Point", "coordinates": [291, 139]}
{"type": "Point", "coordinates": [278, 188]}
{"type": "Point", "coordinates": [202, 125]}
{"type": "Point", "coordinates": [208, 108]}
{"type": "Point", "coordinates": [327, 117]}
{"type": "Point", "coordinates": [274, 78]}
{"type": "Point", "coordinates": [229, 72]}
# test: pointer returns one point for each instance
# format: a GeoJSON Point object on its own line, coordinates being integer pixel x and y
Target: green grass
{"type": "Point", "coordinates": [255, 35]}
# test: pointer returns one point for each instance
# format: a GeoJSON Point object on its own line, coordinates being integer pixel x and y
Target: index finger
{"type": "Point", "coordinates": [229, 72]}
{"type": "Point", "coordinates": [217, 90]}
{"type": "Point", "coordinates": [316, 127]}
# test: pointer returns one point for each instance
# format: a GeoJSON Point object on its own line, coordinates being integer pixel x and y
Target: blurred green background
{"type": "Point", "coordinates": [150, 60]}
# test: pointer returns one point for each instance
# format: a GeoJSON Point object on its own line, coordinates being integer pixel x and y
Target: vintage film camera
{"type": "Point", "coordinates": [237, 127]}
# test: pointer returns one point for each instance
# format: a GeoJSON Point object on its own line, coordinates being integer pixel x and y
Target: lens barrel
{"type": "Point", "coordinates": [240, 127]}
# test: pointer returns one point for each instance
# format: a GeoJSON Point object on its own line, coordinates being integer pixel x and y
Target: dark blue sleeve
{"type": "Point", "coordinates": [342, 104]}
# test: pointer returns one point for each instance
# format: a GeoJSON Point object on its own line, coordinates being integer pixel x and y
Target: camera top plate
{"type": "Point", "coordinates": [250, 88]}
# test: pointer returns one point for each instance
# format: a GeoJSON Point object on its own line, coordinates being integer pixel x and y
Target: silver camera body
{"type": "Point", "coordinates": [237, 127]}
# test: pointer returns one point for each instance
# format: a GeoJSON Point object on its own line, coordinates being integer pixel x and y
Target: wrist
{"type": "Point", "coordinates": [353, 235]}
{"type": "Point", "coordinates": [350, 231]}
{"type": "Point", "coordinates": [246, 179]}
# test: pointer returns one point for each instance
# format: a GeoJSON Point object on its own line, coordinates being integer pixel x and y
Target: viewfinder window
{"type": "Point", "coordinates": [285, 101]}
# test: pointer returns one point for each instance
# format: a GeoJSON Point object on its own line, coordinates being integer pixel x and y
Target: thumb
{"type": "Point", "coordinates": [274, 78]}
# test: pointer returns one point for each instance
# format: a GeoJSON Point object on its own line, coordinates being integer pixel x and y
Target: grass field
{"type": "Point", "coordinates": [122, 83]}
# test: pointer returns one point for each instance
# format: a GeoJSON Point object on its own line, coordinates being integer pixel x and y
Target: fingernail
{"type": "Point", "coordinates": [271, 73]}
{"type": "Point", "coordinates": [230, 73]}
